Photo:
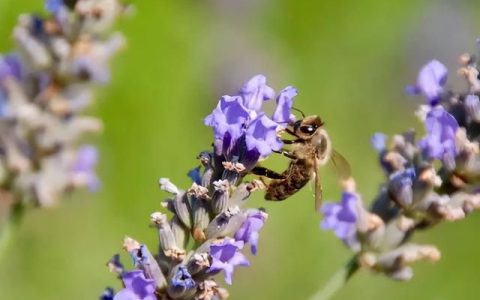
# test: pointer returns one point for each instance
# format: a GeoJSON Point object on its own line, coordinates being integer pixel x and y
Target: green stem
{"type": "Point", "coordinates": [337, 281]}
{"type": "Point", "coordinates": [8, 229]}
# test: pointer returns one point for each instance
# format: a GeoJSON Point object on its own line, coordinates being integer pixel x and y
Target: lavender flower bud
{"type": "Point", "coordinates": [167, 238]}
{"type": "Point", "coordinates": [180, 232]}
{"type": "Point", "coordinates": [168, 186]}
{"type": "Point", "coordinates": [472, 107]}
{"type": "Point", "coordinates": [182, 285]}
{"type": "Point", "coordinates": [400, 187]}
{"type": "Point", "coordinates": [225, 223]}
{"type": "Point", "coordinates": [182, 209]}
{"type": "Point", "coordinates": [198, 197]}
{"type": "Point", "coordinates": [198, 263]}
{"type": "Point", "coordinates": [220, 196]}
{"type": "Point", "coordinates": [145, 261]}
{"type": "Point", "coordinates": [209, 289]}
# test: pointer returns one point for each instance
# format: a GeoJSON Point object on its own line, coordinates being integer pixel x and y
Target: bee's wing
{"type": "Point", "coordinates": [341, 165]}
{"type": "Point", "coordinates": [317, 188]}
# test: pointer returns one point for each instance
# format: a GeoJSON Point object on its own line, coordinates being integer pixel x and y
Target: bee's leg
{"type": "Point", "coordinates": [261, 171]}
{"type": "Point", "coordinates": [289, 131]}
{"type": "Point", "coordinates": [286, 153]}
{"type": "Point", "coordinates": [290, 142]}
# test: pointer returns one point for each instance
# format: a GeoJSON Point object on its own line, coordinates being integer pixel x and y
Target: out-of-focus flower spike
{"type": "Point", "coordinates": [430, 81]}
{"type": "Point", "coordinates": [472, 106]}
{"type": "Point", "coordinates": [395, 260]}
{"type": "Point", "coordinates": [400, 186]}
{"type": "Point", "coordinates": [379, 141]}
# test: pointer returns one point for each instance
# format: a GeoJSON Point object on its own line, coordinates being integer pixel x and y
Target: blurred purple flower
{"type": "Point", "coordinates": [342, 218]}
{"type": "Point", "coordinates": [84, 167]}
{"type": "Point", "coordinates": [283, 111]}
{"type": "Point", "coordinates": [255, 91]}
{"type": "Point", "coordinates": [248, 232]}
{"type": "Point", "coordinates": [226, 256]}
{"type": "Point", "coordinates": [10, 66]}
{"type": "Point", "coordinates": [400, 186]}
{"type": "Point", "coordinates": [88, 68]}
{"type": "Point", "coordinates": [439, 143]}
{"type": "Point", "coordinates": [137, 287]}
{"type": "Point", "coordinates": [262, 136]}
{"type": "Point", "coordinates": [430, 81]}
{"type": "Point", "coordinates": [379, 141]}
{"type": "Point", "coordinates": [53, 6]}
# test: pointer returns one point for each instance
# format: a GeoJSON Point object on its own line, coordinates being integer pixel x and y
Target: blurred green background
{"type": "Point", "coordinates": [350, 61]}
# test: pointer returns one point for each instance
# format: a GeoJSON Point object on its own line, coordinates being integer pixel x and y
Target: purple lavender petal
{"type": "Point", "coordinates": [262, 136]}
{"type": "Point", "coordinates": [441, 127]}
{"type": "Point", "coordinates": [53, 6]}
{"type": "Point", "coordinates": [283, 111]}
{"type": "Point", "coordinates": [183, 279]}
{"type": "Point", "coordinates": [248, 232]}
{"type": "Point", "coordinates": [226, 256]}
{"type": "Point", "coordinates": [255, 91]}
{"type": "Point", "coordinates": [229, 116]}
{"type": "Point", "coordinates": [342, 217]}
{"type": "Point", "coordinates": [10, 66]}
{"type": "Point", "coordinates": [136, 287]}
{"type": "Point", "coordinates": [430, 81]}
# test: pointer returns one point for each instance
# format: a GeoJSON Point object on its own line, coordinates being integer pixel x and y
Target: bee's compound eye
{"type": "Point", "coordinates": [308, 129]}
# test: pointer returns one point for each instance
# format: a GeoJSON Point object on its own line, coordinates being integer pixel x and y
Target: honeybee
{"type": "Point", "coordinates": [311, 148]}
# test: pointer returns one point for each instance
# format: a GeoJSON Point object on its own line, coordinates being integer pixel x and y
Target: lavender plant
{"type": "Point", "coordinates": [209, 228]}
{"type": "Point", "coordinates": [429, 180]}
{"type": "Point", "coordinates": [46, 85]}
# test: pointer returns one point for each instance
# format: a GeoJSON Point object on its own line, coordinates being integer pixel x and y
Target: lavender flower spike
{"type": "Point", "coordinates": [226, 256]}
{"type": "Point", "coordinates": [342, 218]}
{"type": "Point", "coordinates": [430, 81]}
{"type": "Point", "coordinates": [248, 232]}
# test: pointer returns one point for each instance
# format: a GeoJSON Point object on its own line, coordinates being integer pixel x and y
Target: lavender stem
{"type": "Point", "coordinates": [337, 281]}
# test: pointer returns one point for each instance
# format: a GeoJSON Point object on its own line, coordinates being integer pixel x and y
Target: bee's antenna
{"type": "Point", "coordinates": [296, 109]}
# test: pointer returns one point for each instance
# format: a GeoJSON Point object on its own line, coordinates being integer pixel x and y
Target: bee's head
{"type": "Point", "coordinates": [307, 127]}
